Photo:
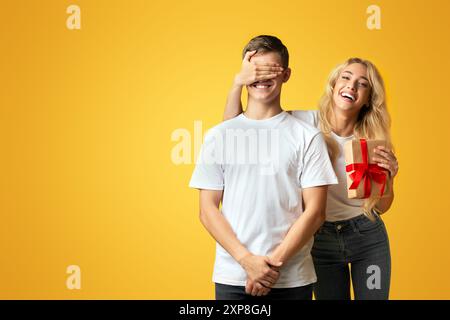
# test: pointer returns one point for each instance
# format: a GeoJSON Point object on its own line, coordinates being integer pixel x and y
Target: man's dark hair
{"type": "Point", "coordinates": [265, 43]}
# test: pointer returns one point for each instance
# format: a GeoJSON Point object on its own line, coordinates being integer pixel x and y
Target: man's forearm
{"type": "Point", "coordinates": [221, 231]}
{"type": "Point", "coordinates": [298, 235]}
{"type": "Point", "coordinates": [233, 106]}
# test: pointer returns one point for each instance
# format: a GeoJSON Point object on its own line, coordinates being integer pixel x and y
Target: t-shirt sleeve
{"type": "Point", "coordinates": [317, 169]}
{"type": "Point", "coordinates": [208, 173]}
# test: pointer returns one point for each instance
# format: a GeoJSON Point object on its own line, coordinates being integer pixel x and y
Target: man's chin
{"type": "Point", "coordinates": [262, 98]}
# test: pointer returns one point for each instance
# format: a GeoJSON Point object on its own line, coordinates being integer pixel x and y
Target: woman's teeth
{"type": "Point", "coordinates": [348, 96]}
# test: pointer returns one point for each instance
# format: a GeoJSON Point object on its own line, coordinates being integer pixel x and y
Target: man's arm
{"type": "Point", "coordinates": [306, 225]}
{"type": "Point", "coordinates": [257, 267]}
{"type": "Point", "coordinates": [216, 224]}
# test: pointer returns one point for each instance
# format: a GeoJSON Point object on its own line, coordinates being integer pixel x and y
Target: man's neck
{"type": "Point", "coordinates": [343, 123]}
{"type": "Point", "coordinates": [257, 110]}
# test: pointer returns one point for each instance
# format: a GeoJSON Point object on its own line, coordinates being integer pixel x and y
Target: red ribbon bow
{"type": "Point", "coordinates": [367, 171]}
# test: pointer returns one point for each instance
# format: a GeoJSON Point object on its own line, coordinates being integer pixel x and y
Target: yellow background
{"type": "Point", "coordinates": [87, 116]}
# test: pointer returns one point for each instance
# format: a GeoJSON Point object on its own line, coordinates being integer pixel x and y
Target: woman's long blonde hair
{"type": "Point", "coordinates": [373, 119]}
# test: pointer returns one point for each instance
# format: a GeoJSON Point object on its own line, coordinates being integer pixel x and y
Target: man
{"type": "Point", "coordinates": [270, 171]}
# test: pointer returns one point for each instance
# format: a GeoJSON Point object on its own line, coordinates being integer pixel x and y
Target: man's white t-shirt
{"type": "Point", "coordinates": [339, 206]}
{"type": "Point", "coordinates": [261, 166]}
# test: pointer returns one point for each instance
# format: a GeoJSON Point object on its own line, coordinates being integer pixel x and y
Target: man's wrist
{"type": "Point", "coordinates": [277, 255]}
{"type": "Point", "coordinates": [242, 258]}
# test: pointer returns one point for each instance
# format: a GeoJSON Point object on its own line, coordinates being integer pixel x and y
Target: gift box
{"type": "Point", "coordinates": [364, 176]}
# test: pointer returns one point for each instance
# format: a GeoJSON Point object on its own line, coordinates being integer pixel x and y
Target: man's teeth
{"type": "Point", "coordinates": [347, 95]}
{"type": "Point", "coordinates": [261, 85]}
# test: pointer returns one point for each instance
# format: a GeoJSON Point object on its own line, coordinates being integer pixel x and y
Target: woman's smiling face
{"type": "Point", "coordinates": [352, 88]}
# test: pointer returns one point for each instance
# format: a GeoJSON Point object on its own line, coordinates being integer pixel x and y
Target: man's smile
{"type": "Point", "coordinates": [262, 84]}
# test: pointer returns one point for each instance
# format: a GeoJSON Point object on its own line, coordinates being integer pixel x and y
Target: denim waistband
{"type": "Point", "coordinates": [349, 224]}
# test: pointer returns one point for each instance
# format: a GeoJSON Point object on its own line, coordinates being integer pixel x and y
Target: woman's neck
{"type": "Point", "coordinates": [343, 124]}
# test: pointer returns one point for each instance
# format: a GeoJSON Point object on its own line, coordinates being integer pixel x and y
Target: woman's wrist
{"type": "Point", "coordinates": [237, 82]}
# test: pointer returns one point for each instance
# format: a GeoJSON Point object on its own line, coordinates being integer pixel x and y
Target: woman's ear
{"type": "Point", "coordinates": [286, 75]}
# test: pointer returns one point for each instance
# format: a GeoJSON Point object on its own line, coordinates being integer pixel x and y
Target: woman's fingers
{"type": "Point", "coordinates": [268, 68]}
{"type": "Point", "coordinates": [386, 159]}
{"type": "Point", "coordinates": [263, 72]}
{"type": "Point", "coordinates": [380, 160]}
{"type": "Point", "coordinates": [381, 150]}
{"type": "Point", "coordinates": [266, 76]}
{"type": "Point", "coordinates": [384, 154]}
{"type": "Point", "coordinates": [249, 55]}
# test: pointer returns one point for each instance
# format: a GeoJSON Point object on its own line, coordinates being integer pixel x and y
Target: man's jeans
{"type": "Point", "coordinates": [357, 242]}
{"type": "Point", "coordinates": [226, 292]}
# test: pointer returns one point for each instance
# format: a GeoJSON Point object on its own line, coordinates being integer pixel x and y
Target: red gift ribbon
{"type": "Point", "coordinates": [367, 171]}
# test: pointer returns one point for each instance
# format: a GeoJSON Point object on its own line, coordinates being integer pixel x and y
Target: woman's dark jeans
{"type": "Point", "coordinates": [358, 248]}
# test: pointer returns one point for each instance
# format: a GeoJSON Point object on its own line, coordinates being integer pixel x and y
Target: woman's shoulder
{"type": "Point", "coordinates": [309, 116]}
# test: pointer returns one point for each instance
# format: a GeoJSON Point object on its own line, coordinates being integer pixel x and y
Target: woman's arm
{"type": "Point", "coordinates": [233, 106]}
{"type": "Point", "coordinates": [386, 159]}
{"type": "Point", "coordinates": [250, 73]}
{"type": "Point", "coordinates": [385, 203]}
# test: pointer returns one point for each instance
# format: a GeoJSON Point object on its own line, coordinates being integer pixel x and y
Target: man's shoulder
{"type": "Point", "coordinates": [303, 127]}
{"type": "Point", "coordinates": [309, 116]}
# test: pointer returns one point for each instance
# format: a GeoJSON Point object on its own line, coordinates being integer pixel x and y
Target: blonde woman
{"type": "Point", "coordinates": [353, 242]}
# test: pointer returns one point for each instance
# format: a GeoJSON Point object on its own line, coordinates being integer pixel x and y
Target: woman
{"type": "Point", "coordinates": [353, 241]}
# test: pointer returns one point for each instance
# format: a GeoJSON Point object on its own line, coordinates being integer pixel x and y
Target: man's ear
{"type": "Point", "coordinates": [286, 75]}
